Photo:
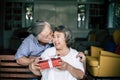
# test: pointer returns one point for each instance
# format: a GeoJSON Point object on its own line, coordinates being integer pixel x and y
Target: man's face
{"type": "Point", "coordinates": [59, 40]}
{"type": "Point", "coordinates": [46, 35]}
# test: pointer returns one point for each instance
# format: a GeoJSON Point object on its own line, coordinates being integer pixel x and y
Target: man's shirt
{"type": "Point", "coordinates": [30, 47]}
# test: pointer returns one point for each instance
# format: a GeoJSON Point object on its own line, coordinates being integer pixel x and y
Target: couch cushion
{"type": "Point", "coordinates": [94, 71]}
{"type": "Point", "coordinates": [92, 61]}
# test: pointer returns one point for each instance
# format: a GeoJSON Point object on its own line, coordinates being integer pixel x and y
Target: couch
{"type": "Point", "coordinates": [101, 63]}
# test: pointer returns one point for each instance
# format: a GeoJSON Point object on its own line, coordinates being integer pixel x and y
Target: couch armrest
{"type": "Point", "coordinates": [109, 64]}
{"type": "Point", "coordinates": [95, 51]}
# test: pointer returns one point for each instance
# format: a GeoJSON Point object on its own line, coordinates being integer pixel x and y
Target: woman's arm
{"type": "Point", "coordinates": [74, 71]}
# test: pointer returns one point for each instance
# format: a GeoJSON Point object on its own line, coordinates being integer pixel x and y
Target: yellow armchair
{"type": "Point", "coordinates": [103, 63]}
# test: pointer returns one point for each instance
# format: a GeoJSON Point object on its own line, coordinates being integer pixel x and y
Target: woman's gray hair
{"type": "Point", "coordinates": [38, 27]}
{"type": "Point", "coordinates": [68, 34]}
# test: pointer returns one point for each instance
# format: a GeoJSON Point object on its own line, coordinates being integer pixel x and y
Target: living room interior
{"type": "Point", "coordinates": [94, 23]}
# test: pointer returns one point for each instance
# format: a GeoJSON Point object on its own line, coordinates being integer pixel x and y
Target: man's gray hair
{"type": "Point", "coordinates": [38, 27]}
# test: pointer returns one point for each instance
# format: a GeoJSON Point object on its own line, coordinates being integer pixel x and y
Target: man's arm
{"type": "Point", "coordinates": [25, 61]}
{"type": "Point", "coordinates": [34, 67]}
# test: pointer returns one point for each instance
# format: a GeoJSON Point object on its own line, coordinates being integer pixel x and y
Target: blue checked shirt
{"type": "Point", "coordinates": [30, 47]}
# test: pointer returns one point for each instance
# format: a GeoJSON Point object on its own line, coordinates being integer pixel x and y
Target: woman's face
{"type": "Point", "coordinates": [59, 40]}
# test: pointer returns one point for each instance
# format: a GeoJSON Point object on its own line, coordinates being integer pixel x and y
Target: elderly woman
{"type": "Point", "coordinates": [70, 68]}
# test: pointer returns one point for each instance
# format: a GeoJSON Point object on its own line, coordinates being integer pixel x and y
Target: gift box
{"type": "Point", "coordinates": [44, 64]}
{"type": "Point", "coordinates": [56, 62]}
{"type": "Point", "coordinates": [49, 63]}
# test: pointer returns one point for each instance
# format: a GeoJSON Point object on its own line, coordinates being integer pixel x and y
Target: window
{"type": "Point", "coordinates": [116, 16]}
{"type": "Point", "coordinates": [28, 14]}
{"type": "Point", "coordinates": [97, 18]}
{"type": "Point", "coordinates": [81, 16]}
{"type": "Point", "coordinates": [92, 16]}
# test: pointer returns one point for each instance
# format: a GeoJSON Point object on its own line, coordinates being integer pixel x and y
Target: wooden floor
{"type": "Point", "coordinates": [89, 77]}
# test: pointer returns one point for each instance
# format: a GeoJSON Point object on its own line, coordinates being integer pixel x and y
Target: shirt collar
{"type": "Point", "coordinates": [37, 43]}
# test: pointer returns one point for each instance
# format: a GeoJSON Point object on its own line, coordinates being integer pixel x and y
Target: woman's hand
{"type": "Point", "coordinates": [63, 65]}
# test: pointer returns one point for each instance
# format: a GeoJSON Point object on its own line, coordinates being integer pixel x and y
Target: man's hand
{"type": "Point", "coordinates": [34, 66]}
{"type": "Point", "coordinates": [82, 56]}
